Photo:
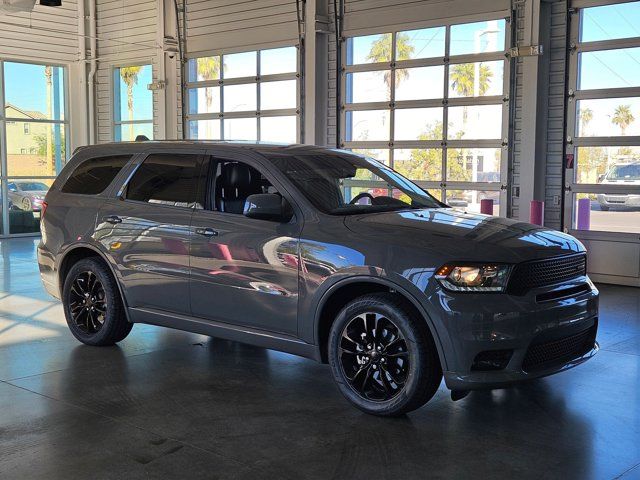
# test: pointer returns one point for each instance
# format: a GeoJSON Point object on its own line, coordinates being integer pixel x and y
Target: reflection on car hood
{"type": "Point", "coordinates": [464, 236]}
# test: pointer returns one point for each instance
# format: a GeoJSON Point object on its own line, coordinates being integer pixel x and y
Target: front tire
{"type": "Point", "coordinates": [382, 357]}
{"type": "Point", "coordinates": [92, 304]}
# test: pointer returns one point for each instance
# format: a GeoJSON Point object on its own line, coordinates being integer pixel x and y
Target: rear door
{"type": "Point", "coordinates": [244, 271]}
{"type": "Point", "coordinates": [146, 228]}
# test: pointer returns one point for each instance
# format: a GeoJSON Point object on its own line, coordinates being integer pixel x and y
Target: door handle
{"type": "Point", "coordinates": [207, 232]}
{"type": "Point", "coordinates": [113, 219]}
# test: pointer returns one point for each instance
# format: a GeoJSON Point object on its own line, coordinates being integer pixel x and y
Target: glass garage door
{"type": "Point", "coordinates": [244, 96]}
{"type": "Point", "coordinates": [602, 201]}
{"type": "Point", "coordinates": [432, 103]}
{"type": "Point", "coordinates": [33, 140]}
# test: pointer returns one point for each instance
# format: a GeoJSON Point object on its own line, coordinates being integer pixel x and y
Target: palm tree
{"type": "Point", "coordinates": [51, 165]}
{"type": "Point", "coordinates": [208, 69]}
{"type": "Point", "coordinates": [463, 80]}
{"type": "Point", "coordinates": [586, 115]}
{"type": "Point", "coordinates": [381, 51]}
{"type": "Point", "coordinates": [130, 78]}
{"type": "Point", "coordinates": [623, 117]}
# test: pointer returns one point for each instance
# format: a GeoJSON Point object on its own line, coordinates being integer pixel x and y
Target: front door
{"type": "Point", "coordinates": [147, 231]}
{"type": "Point", "coordinates": [243, 271]}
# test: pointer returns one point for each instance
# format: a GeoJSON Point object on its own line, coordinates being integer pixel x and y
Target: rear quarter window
{"type": "Point", "coordinates": [93, 176]}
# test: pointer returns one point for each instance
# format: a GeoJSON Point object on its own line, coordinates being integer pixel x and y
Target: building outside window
{"type": "Point", "coordinates": [35, 125]}
{"type": "Point", "coordinates": [133, 102]}
{"type": "Point", "coordinates": [604, 120]}
{"type": "Point", "coordinates": [244, 96]}
{"type": "Point", "coordinates": [431, 104]}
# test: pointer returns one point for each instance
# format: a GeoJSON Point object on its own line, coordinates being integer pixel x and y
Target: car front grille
{"type": "Point", "coordinates": [541, 273]}
{"type": "Point", "coordinates": [542, 355]}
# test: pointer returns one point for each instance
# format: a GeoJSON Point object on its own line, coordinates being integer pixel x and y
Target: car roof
{"type": "Point", "coordinates": [259, 147]}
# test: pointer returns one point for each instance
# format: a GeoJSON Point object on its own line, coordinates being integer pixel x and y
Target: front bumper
{"type": "Point", "coordinates": [619, 200]}
{"type": "Point", "coordinates": [531, 332]}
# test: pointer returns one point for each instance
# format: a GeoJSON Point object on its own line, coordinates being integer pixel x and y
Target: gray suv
{"type": "Point", "coordinates": [316, 252]}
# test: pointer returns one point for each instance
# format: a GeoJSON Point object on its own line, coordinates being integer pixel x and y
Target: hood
{"type": "Point", "coordinates": [456, 235]}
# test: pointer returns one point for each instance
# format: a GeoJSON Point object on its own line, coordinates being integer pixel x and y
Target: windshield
{"type": "Point", "coordinates": [340, 183]}
{"type": "Point", "coordinates": [33, 187]}
{"type": "Point", "coordinates": [625, 172]}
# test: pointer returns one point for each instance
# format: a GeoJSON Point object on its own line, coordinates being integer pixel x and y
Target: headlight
{"type": "Point", "coordinates": [473, 278]}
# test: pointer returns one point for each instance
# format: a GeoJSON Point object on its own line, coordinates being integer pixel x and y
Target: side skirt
{"type": "Point", "coordinates": [236, 333]}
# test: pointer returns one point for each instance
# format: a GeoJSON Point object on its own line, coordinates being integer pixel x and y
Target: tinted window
{"type": "Point", "coordinates": [343, 184]}
{"type": "Point", "coordinates": [95, 175]}
{"type": "Point", "coordinates": [233, 183]}
{"type": "Point", "coordinates": [168, 179]}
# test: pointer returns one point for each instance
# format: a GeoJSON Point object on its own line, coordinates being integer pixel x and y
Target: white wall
{"type": "Point", "coordinates": [126, 34]}
{"type": "Point", "coordinates": [46, 34]}
{"type": "Point", "coordinates": [224, 25]}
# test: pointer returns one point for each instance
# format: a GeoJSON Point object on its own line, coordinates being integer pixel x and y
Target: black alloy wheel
{"type": "Point", "coordinates": [88, 303]}
{"type": "Point", "coordinates": [92, 304]}
{"type": "Point", "coordinates": [374, 356]}
{"type": "Point", "coordinates": [382, 355]}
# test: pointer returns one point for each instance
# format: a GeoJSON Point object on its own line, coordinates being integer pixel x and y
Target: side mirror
{"type": "Point", "coordinates": [266, 206]}
{"type": "Point", "coordinates": [601, 177]}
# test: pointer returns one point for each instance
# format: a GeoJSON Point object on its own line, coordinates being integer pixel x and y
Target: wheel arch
{"type": "Point", "coordinates": [343, 291]}
{"type": "Point", "coordinates": [79, 252]}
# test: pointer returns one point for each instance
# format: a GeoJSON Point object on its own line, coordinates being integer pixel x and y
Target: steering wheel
{"type": "Point", "coordinates": [360, 196]}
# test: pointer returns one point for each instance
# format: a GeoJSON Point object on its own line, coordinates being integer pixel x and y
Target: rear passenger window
{"type": "Point", "coordinates": [94, 175]}
{"type": "Point", "coordinates": [168, 179]}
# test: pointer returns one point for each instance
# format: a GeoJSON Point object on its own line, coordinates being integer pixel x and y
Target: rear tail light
{"type": "Point", "coordinates": [43, 210]}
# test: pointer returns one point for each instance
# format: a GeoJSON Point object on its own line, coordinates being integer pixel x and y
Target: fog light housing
{"type": "Point", "coordinates": [491, 360]}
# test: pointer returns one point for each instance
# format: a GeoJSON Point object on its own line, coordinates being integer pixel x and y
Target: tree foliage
{"type": "Point", "coordinates": [463, 78]}
{"type": "Point", "coordinates": [586, 115]}
{"type": "Point", "coordinates": [129, 76]}
{"type": "Point", "coordinates": [382, 49]}
{"type": "Point", "coordinates": [623, 117]}
{"type": "Point", "coordinates": [426, 164]}
{"type": "Point", "coordinates": [208, 69]}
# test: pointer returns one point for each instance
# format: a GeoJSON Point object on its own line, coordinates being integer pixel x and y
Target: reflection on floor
{"type": "Point", "coordinates": [168, 404]}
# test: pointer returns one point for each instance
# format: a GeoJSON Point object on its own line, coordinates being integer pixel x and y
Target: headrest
{"type": "Point", "coordinates": [236, 175]}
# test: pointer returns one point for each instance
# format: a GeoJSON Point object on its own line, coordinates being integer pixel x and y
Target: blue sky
{"type": "Point", "coordinates": [25, 86]}
{"type": "Point", "coordinates": [142, 97]}
{"type": "Point", "coordinates": [611, 21]}
{"type": "Point", "coordinates": [430, 42]}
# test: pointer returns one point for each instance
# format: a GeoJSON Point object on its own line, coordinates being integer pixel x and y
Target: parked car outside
{"type": "Point", "coordinates": [267, 244]}
{"type": "Point", "coordinates": [620, 174]}
{"type": "Point", "coordinates": [27, 195]}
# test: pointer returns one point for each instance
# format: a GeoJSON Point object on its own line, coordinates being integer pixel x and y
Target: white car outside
{"type": "Point", "coordinates": [620, 174]}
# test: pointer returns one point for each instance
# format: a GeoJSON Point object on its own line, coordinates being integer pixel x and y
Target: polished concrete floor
{"type": "Point", "coordinates": [167, 404]}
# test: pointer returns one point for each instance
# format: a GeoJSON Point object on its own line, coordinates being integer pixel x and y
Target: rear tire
{"type": "Point", "coordinates": [92, 304]}
{"type": "Point", "coordinates": [382, 357]}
